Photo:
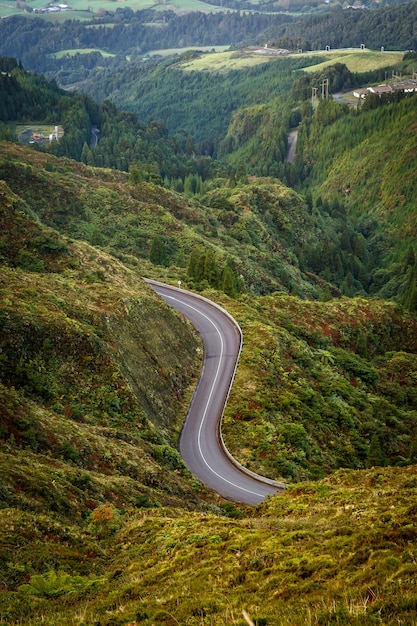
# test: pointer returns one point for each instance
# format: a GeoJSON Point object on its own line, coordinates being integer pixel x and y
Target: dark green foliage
{"type": "Point", "coordinates": [203, 103]}
{"type": "Point", "coordinates": [343, 29]}
{"type": "Point", "coordinates": [23, 242]}
{"type": "Point", "coordinates": [52, 584]}
{"type": "Point", "coordinates": [409, 295]}
{"type": "Point", "coordinates": [205, 269]}
{"type": "Point", "coordinates": [315, 402]}
{"type": "Point", "coordinates": [158, 253]}
{"type": "Point", "coordinates": [355, 364]}
{"type": "Point", "coordinates": [338, 75]}
{"type": "Point", "coordinates": [376, 457]}
{"type": "Point", "coordinates": [368, 190]}
{"type": "Point", "coordinates": [123, 141]}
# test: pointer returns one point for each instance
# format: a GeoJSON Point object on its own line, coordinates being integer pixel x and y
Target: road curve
{"type": "Point", "coordinates": [201, 443]}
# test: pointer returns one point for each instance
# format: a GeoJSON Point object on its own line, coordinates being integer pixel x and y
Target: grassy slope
{"type": "Point", "coordinates": [341, 551]}
{"type": "Point", "coordinates": [355, 60]}
{"type": "Point", "coordinates": [91, 395]}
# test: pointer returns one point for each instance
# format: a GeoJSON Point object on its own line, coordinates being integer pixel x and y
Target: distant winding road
{"type": "Point", "coordinates": [201, 443]}
{"type": "Point", "coordinates": [292, 145]}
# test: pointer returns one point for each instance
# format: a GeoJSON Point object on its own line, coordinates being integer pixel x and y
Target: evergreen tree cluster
{"type": "Point", "coordinates": [206, 270]}
{"type": "Point", "coordinates": [24, 96]}
{"type": "Point", "coordinates": [389, 26]}
{"type": "Point", "coordinates": [409, 294]}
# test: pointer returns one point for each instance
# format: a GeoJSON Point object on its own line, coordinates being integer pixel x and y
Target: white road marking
{"type": "Point", "coordinates": [261, 495]}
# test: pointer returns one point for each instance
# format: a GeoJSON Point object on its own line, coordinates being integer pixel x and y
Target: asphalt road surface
{"type": "Point", "coordinates": [201, 443]}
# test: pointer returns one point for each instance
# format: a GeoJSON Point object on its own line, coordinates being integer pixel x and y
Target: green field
{"type": "Point", "coordinates": [73, 52]}
{"type": "Point", "coordinates": [225, 61]}
{"type": "Point", "coordinates": [356, 60]}
{"type": "Point", "coordinates": [6, 10]}
{"type": "Point", "coordinates": [185, 6]}
{"type": "Point", "coordinates": [86, 9]}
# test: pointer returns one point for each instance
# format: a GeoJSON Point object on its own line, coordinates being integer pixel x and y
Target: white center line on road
{"type": "Point", "coordinates": [213, 386]}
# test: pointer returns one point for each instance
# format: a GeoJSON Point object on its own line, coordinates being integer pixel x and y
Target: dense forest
{"type": "Point", "coordinates": [201, 103]}
{"type": "Point", "coordinates": [390, 27]}
{"type": "Point", "coordinates": [124, 140]}
{"type": "Point", "coordinates": [353, 254]}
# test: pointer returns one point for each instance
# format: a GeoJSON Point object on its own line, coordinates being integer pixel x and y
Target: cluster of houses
{"type": "Point", "coordinates": [405, 86]}
{"type": "Point", "coordinates": [52, 8]}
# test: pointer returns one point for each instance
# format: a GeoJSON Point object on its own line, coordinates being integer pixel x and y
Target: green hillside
{"type": "Point", "coordinates": [322, 385]}
{"type": "Point", "coordinates": [370, 170]}
{"type": "Point", "coordinates": [254, 225]}
{"type": "Point", "coordinates": [101, 523]}
{"type": "Point", "coordinates": [75, 359]}
{"type": "Point", "coordinates": [340, 551]}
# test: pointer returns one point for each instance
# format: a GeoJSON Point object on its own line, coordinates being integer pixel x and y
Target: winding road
{"type": "Point", "coordinates": [201, 443]}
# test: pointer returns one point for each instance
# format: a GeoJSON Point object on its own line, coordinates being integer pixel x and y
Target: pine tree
{"type": "Point", "coordinates": [376, 457]}
{"type": "Point", "coordinates": [409, 299]}
{"type": "Point", "coordinates": [210, 268]}
{"type": "Point", "coordinates": [87, 155]}
{"type": "Point", "coordinates": [188, 185]}
{"type": "Point", "coordinates": [192, 264]}
{"type": "Point", "coordinates": [413, 451]}
{"type": "Point", "coordinates": [228, 282]}
{"type": "Point", "coordinates": [158, 253]}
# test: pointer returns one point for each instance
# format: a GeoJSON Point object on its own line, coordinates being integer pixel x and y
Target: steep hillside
{"type": "Point", "coordinates": [256, 225]}
{"type": "Point", "coordinates": [388, 26]}
{"type": "Point", "coordinates": [200, 102]}
{"type": "Point", "coordinates": [92, 393]}
{"type": "Point", "coordinates": [303, 362]}
{"type": "Point", "coordinates": [370, 172]}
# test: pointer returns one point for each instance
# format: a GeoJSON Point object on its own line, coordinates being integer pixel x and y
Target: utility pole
{"type": "Point", "coordinates": [313, 96]}
{"type": "Point", "coordinates": [325, 88]}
